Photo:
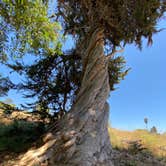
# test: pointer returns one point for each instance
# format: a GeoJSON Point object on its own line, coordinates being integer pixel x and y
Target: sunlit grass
{"type": "Point", "coordinates": [155, 143]}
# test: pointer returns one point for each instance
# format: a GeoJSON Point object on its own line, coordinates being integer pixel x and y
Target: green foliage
{"type": "Point", "coordinates": [153, 130]}
{"type": "Point", "coordinates": [131, 163]}
{"type": "Point", "coordinates": [123, 21]}
{"type": "Point", "coordinates": [19, 135]}
{"type": "Point", "coordinates": [52, 80]}
{"type": "Point", "coordinates": [146, 122]}
{"type": "Point", "coordinates": [7, 108]}
{"type": "Point", "coordinates": [117, 71]}
{"type": "Point", "coordinates": [27, 28]}
{"type": "Point", "coordinates": [55, 79]}
{"type": "Point", "coordinates": [56, 91]}
{"type": "Point", "coordinates": [5, 85]}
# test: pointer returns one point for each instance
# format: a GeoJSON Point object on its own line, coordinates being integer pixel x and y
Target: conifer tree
{"type": "Point", "coordinates": [81, 137]}
{"type": "Point", "coordinates": [5, 85]}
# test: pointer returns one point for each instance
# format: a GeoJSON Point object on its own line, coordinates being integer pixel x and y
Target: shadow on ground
{"type": "Point", "coordinates": [18, 133]}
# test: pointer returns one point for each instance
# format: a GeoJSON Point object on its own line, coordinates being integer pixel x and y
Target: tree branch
{"type": "Point", "coordinates": [114, 52]}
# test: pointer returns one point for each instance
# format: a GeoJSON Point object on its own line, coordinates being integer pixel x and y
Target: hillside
{"type": "Point", "coordinates": [138, 148]}
{"type": "Point", "coordinates": [19, 130]}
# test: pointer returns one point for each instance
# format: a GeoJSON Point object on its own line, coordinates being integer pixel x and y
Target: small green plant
{"type": "Point", "coordinates": [131, 163]}
{"type": "Point", "coordinates": [7, 112]}
{"type": "Point", "coordinates": [19, 135]}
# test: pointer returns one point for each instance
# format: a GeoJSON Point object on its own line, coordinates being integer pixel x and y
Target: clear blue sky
{"type": "Point", "coordinates": [142, 93]}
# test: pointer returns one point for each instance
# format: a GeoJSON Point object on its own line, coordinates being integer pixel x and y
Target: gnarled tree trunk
{"type": "Point", "coordinates": [82, 139]}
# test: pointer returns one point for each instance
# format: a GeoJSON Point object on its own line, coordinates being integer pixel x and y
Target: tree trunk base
{"type": "Point", "coordinates": [84, 146]}
{"type": "Point", "coordinates": [83, 138]}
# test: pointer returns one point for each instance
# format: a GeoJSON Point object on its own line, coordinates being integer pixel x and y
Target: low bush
{"type": "Point", "coordinates": [19, 135]}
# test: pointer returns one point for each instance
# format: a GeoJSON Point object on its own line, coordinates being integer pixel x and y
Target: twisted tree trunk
{"type": "Point", "coordinates": [82, 139]}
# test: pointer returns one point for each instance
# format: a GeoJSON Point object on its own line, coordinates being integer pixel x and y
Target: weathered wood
{"type": "Point", "coordinates": [82, 139]}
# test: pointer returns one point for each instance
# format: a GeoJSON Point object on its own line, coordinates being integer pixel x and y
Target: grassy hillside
{"type": "Point", "coordinates": [19, 130]}
{"type": "Point", "coordinates": [138, 148]}
{"type": "Point", "coordinates": [155, 143]}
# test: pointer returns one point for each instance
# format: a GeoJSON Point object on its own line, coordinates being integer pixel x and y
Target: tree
{"type": "Point", "coordinates": [57, 91]}
{"type": "Point", "coordinates": [25, 28]}
{"type": "Point", "coordinates": [5, 85]}
{"type": "Point", "coordinates": [8, 101]}
{"type": "Point", "coordinates": [146, 122]}
{"type": "Point", "coordinates": [153, 130]}
{"type": "Point", "coordinates": [82, 137]}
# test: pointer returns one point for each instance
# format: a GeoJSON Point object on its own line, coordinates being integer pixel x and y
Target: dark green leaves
{"type": "Point", "coordinates": [123, 21]}
{"type": "Point", "coordinates": [116, 71]}
{"type": "Point", "coordinates": [5, 85]}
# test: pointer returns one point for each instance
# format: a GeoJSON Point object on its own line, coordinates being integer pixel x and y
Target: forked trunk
{"type": "Point", "coordinates": [82, 137]}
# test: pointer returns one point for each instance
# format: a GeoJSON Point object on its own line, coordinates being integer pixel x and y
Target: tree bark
{"type": "Point", "coordinates": [82, 137]}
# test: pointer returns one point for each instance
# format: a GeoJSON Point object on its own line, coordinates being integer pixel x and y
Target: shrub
{"type": "Point", "coordinates": [153, 130]}
{"type": "Point", "coordinates": [19, 135]}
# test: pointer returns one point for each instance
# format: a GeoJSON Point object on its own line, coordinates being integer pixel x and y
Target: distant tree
{"type": "Point", "coordinates": [164, 133]}
{"type": "Point", "coordinates": [8, 101]}
{"type": "Point", "coordinates": [146, 122]}
{"type": "Point", "coordinates": [153, 130]}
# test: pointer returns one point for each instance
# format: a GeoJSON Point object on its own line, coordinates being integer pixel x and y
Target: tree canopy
{"type": "Point", "coordinates": [81, 78]}
{"type": "Point", "coordinates": [5, 85]}
{"type": "Point", "coordinates": [123, 21]}
{"type": "Point", "coordinates": [55, 76]}
{"type": "Point", "coordinates": [26, 28]}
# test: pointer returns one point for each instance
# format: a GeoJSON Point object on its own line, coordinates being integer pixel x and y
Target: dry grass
{"type": "Point", "coordinates": [123, 156]}
{"type": "Point", "coordinates": [155, 143]}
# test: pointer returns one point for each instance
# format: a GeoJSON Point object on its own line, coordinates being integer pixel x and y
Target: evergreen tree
{"type": "Point", "coordinates": [153, 130]}
{"type": "Point", "coordinates": [146, 123]}
{"type": "Point", "coordinates": [81, 137]}
{"type": "Point", "coordinates": [5, 85]}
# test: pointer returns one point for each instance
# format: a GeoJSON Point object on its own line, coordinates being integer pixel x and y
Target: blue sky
{"type": "Point", "coordinates": [142, 93]}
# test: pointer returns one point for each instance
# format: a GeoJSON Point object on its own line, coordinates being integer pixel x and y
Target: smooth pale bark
{"type": "Point", "coordinates": [81, 138]}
